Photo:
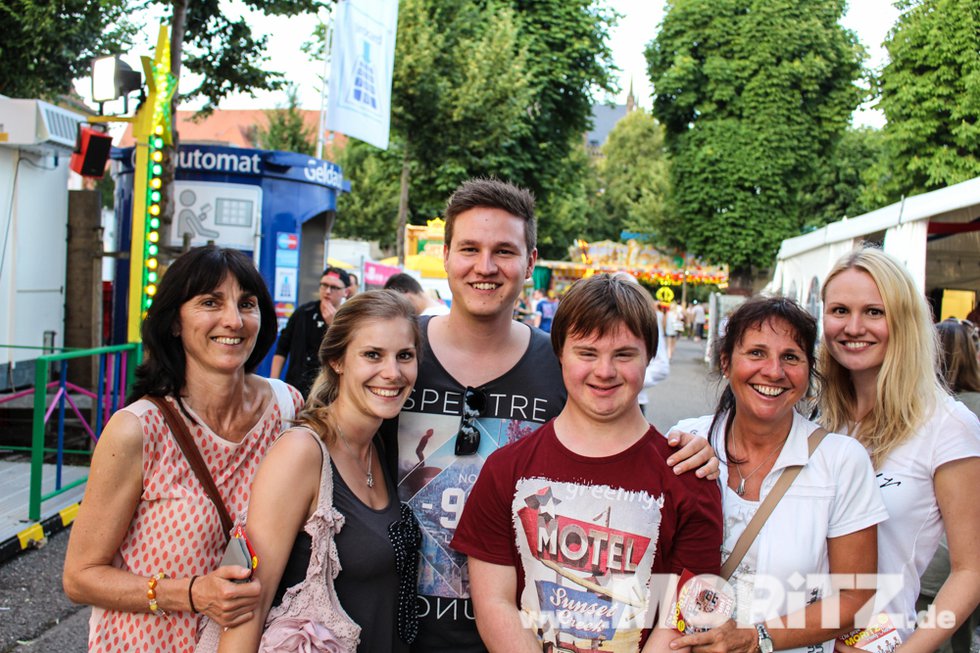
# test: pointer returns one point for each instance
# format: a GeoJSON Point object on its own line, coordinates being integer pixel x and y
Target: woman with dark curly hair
{"type": "Point", "coordinates": [825, 523]}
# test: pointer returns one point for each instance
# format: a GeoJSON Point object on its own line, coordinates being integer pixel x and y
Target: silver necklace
{"type": "Point", "coordinates": [369, 474]}
{"type": "Point", "coordinates": [740, 490]}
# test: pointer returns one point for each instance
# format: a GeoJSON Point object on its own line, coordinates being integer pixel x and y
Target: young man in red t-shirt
{"type": "Point", "coordinates": [567, 532]}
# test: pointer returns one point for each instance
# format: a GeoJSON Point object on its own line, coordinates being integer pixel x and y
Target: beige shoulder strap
{"type": "Point", "coordinates": [768, 505]}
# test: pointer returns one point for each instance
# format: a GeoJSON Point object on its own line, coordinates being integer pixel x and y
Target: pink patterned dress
{"type": "Point", "coordinates": [176, 529]}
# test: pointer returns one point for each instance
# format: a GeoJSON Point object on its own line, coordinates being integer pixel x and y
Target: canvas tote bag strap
{"type": "Point", "coordinates": [768, 505]}
{"type": "Point", "coordinates": [193, 456]}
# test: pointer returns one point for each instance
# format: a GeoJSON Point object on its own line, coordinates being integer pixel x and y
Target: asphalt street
{"type": "Point", "coordinates": [36, 616]}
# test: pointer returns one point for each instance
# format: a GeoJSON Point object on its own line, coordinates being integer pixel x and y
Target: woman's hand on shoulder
{"type": "Point", "coordinates": [695, 453]}
{"type": "Point", "coordinates": [726, 638]}
{"type": "Point", "coordinates": [225, 601]}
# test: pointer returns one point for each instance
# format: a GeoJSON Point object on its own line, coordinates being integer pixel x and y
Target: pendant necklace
{"type": "Point", "coordinates": [740, 490]}
{"type": "Point", "coordinates": [369, 474]}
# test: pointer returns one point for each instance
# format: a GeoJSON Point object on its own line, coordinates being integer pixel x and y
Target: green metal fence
{"type": "Point", "coordinates": [117, 366]}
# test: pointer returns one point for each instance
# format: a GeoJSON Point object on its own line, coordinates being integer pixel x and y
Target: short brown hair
{"type": "Point", "coordinates": [493, 194]}
{"type": "Point", "coordinates": [600, 303]}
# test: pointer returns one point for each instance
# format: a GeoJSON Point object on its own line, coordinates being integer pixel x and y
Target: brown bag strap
{"type": "Point", "coordinates": [768, 505]}
{"type": "Point", "coordinates": [193, 456]}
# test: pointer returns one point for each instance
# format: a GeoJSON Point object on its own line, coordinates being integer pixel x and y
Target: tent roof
{"type": "Point", "coordinates": [957, 203]}
{"type": "Point", "coordinates": [952, 259]}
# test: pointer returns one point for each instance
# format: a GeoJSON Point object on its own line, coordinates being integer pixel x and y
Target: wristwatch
{"type": "Point", "coordinates": [765, 641]}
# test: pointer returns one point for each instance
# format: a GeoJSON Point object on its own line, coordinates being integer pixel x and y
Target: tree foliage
{"type": "Point", "coordinates": [222, 49]}
{"type": "Point", "coordinates": [368, 211]}
{"type": "Point", "coordinates": [634, 175]}
{"type": "Point", "coordinates": [569, 212]}
{"type": "Point", "coordinates": [227, 56]}
{"type": "Point", "coordinates": [46, 45]}
{"type": "Point", "coordinates": [460, 89]}
{"type": "Point", "coordinates": [840, 186]}
{"type": "Point", "coordinates": [285, 129]}
{"type": "Point", "coordinates": [570, 59]}
{"type": "Point", "coordinates": [930, 95]}
{"type": "Point", "coordinates": [489, 88]}
{"type": "Point", "coordinates": [753, 96]}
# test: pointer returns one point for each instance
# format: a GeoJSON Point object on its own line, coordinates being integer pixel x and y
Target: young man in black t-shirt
{"type": "Point", "coordinates": [478, 362]}
{"type": "Point", "coordinates": [299, 342]}
{"type": "Point", "coordinates": [484, 380]}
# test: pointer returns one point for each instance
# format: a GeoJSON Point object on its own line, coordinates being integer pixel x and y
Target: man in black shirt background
{"type": "Point", "coordinates": [300, 340]}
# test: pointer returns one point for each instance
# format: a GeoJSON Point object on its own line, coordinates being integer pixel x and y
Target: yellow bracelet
{"type": "Point", "coordinates": [151, 593]}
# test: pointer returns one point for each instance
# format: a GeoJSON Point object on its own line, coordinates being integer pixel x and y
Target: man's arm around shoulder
{"type": "Point", "coordinates": [493, 588]}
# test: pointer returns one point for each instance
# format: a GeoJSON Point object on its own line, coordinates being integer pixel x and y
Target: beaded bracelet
{"type": "Point", "coordinates": [151, 593]}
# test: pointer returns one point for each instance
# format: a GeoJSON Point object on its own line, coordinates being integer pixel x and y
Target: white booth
{"type": "Point", "coordinates": [36, 141]}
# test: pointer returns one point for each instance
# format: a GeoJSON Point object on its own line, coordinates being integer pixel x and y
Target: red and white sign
{"type": "Point", "coordinates": [376, 274]}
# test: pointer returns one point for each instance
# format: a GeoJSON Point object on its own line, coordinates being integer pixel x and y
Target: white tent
{"type": "Point", "coordinates": [936, 235]}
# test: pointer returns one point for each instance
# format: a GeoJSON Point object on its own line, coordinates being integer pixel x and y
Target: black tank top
{"type": "Point", "coordinates": [367, 585]}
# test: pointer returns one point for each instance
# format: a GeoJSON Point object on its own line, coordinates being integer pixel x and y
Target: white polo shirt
{"type": "Point", "coordinates": [835, 494]}
{"type": "Point", "coordinates": [910, 537]}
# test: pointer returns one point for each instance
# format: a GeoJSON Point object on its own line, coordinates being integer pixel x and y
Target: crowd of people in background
{"type": "Point", "coordinates": [482, 476]}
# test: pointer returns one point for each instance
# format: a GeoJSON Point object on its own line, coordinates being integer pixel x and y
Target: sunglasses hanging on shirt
{"type": "Point", "coordinates": [468, 437]}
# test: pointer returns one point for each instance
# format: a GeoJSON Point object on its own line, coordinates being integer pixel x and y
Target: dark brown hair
{"type": "Point", "coordinates": [958, 361]}
{"type": "Point", "coordinates": [599, 304]}
{"type": "Point", "coordinates": [197, 272]}
{"type": "Point", "coordinates": [493, 194]}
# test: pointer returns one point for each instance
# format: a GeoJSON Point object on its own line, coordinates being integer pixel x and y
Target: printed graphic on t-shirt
{"type": "Point", "coordinates": [587, 552]}
{"type": "Point", "coordinates": [435, 483]}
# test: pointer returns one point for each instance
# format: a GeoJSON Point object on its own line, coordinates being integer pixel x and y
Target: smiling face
{"type": "Point", "coordinates": [487, 262]}
{"type": "Point", "coordinates": [379, 367]}
{"type": "Point", "coordinates": [218, 328]}
{"type": "Point", "coordinates": [603, 375]}
{"type": "Point", "coordinates": [768, 373]}
{"type": "Point", "coordinates": [855, 329]}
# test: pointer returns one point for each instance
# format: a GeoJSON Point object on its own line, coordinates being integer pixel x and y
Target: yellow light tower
{"type": "Point", "coordinates": [152, 131]}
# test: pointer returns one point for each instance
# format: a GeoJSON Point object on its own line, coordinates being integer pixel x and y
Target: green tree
{"type": "Point", "coordinates": [46, 45]}
{"type": "Point", "coordinates": [369, 211]}
{"type": "Point", "coordinates": [753, 96]}
{"type": "Point", "coordinates": [569, 213]}
{"type": "Point", "coordinates": [634, 175]}
{"type": "Point", "coordinates": [841, 187]}
{"type": "Point", "coordinates": [226, 55]}
{"type": "Point", "coordinates": [930, 95]}
{"type": "Point", "coordinates": [285, 129]}
{"type": "Point", "coordinates": [222, 49]}
{"type": "Point", "coordinates": [459, 92]}
{"type": "Point", "coordinates": [493, 88]}
{"type": "Point", "coordinates": [570, 60]}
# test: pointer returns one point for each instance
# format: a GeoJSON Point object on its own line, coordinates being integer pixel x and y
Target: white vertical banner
{"type": "Point", "coordinates": [362, 61]}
